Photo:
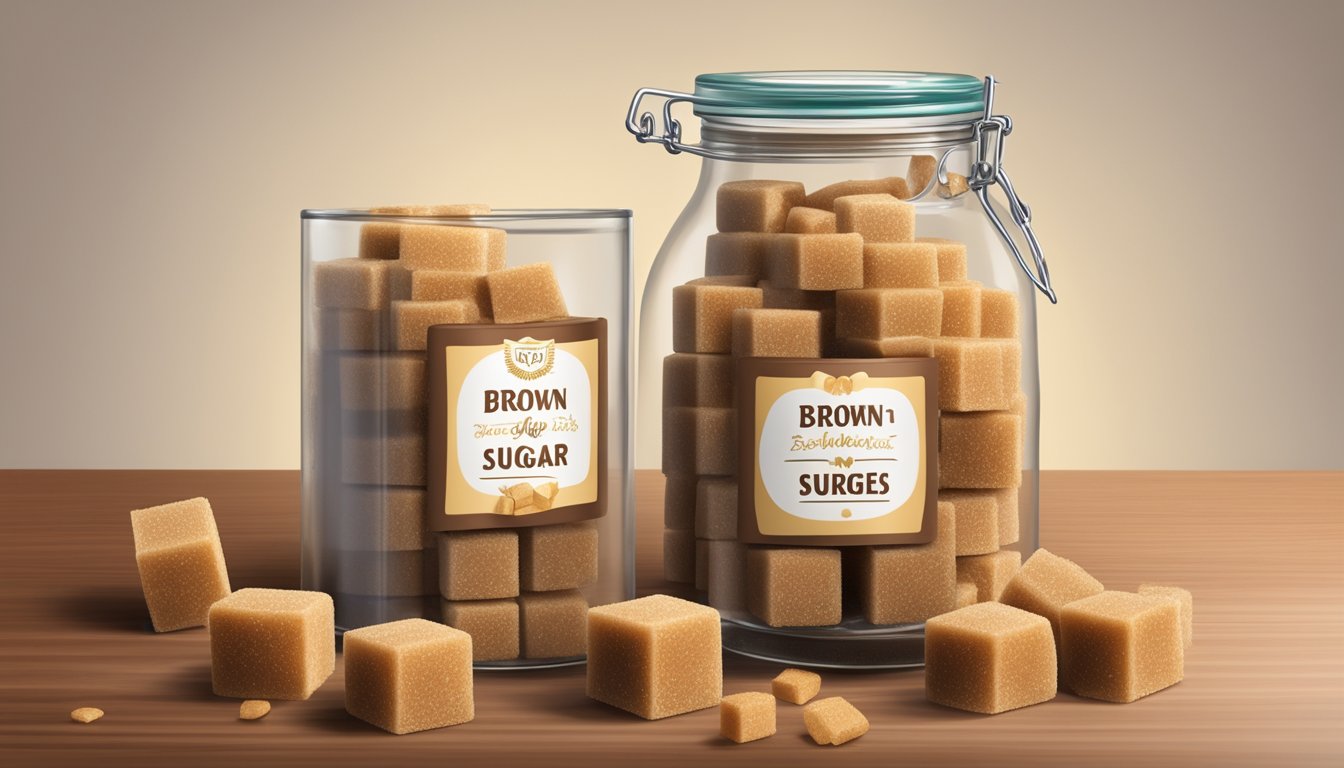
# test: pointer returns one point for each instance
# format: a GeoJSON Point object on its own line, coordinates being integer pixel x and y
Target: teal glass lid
{"type": "Point", "coordinates": [837, 94]}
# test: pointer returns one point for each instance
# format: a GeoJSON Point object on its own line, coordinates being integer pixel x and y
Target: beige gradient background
{"type": "Point", "coordinates": [1180, 157]}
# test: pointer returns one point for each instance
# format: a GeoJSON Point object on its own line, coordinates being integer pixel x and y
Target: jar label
{"type": "Point", "coordinates": [840, 452]}
{"type": "Point", "coordinates": [517, 424]}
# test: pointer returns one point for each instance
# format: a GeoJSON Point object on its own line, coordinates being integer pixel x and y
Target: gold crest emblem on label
{"type": "Point", "coordinates": [529, 359]}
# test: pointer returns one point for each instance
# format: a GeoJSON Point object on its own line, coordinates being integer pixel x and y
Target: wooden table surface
{"type": "Point", "coordinates": [1264, 682]}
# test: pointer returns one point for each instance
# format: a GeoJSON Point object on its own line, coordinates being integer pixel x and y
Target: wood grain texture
{"type": "Point", "coordinates": [1264, 683]}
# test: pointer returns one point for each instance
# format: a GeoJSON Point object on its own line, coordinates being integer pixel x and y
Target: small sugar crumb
{"type": "Point", "coordinates": [796, 686]}
{"type": "Point", "coordinates": [86, 714]}
{"type": "Point", "coordinates": [253, 709]}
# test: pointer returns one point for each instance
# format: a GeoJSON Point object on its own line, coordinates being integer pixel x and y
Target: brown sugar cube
{"type": "Point", "coordinates": [956, 185]}
{"type": "Point", "coordinates": [408, 676]}
{"type": "Point", "coordinates": [971, 374]}
{"type": "Point", "coordinates": [825, 197]}
{"type": "Point", "coordinates": [492, 624]}
{"type": "Point", "coordinates": [351, 329]}
{"type": "Point", "coordinates": [777, 333]}
{"type": "Point", "coordinates": [977, 521]}
{"type": "Point", "coordinates": [951, 258]}
{"type": "Point", "coordinates": [726, 573]}
{"type": "Point", "coordinates": [990, 573]}
{"type": "Point", "coordinates": [656, 656]}
{"type": "Point", "coordinates": [919, 174]}
{"type": "Point", "coordinates": [747, 716]}
{"type": "Point", "coordinates": [181, 562]}
{"type": "Point", "coordinates": [756, 205]}
{"type": "Point", "coordinates": [453, 249]}
{"type": "Point", "coordinates": [716, 508]}
{"type": "Point", "coordinates": [271, 643]}
{"type": "Point", "coordinates": [478, 565]}
{"type": "Point", "coordinates": [736, 281]}
{"type": "Point", "coordinates": [355, 283]}
{"type": "Point", "coordinates": [383, 382]}
{"type": "Point", "coordinates": [1120, 646]}
{"type": "Point", "coordinates": [895, 346]}
{"type": "Point", "coordinates": [900, 265]}
{"type": "Point", "coordinates": [411, 320]}
{"type": "Point", "coordinates": [380, 240]}
{"type": "Point", "coordinates": [394, 459]}
{"type": "Point", "coordinates": [699, 441]}
{"type": "Point", "coordinates": [961, 308]}
{"type": "Point", "coordinates": [794, 586]}
{"type": "Point", "coordinates": [989, 658]}
{"type": "Point", "coordinates": [1183, 598]}
{"type": "Point", "coordinates": [792, 298]}
{"type": "Point", "coordinates": [679, 502]}
{"type": "Point", "coordinates": [796, 686]}
{"type": "Point", "coordinates": [998, 313]}
{"type": "Point", "coordinates": [880, 313]}
{"type": "Point", "coordinates": [736, 253]}
{"type": "Point", "coordinates": [980, 450]}
{"type": "Point", "coordinates": [526, 294]}
{"type": "Point", "coordinates": [878, 218]}
{"type": "Point", "coordinates": [909, 583]}
{"type": "Point", "coordinates": [679, 556]}
{"type": "Point", "coordinates": [554, 625]}
{"type": "Point", "coordinates": [399, 573]}
{"type": "Point", "coordinates": [967, 594]}
{"type": "Point", "coordinates": [701, 565]}
{"type": "Point", "coordinates": [834, 721]}
{"type": "Point", "coordinates": [810, 221]}
{"type": "Point", "coordinates": [702, 315]}
{"type": "Point", "coordinates": [1009, 524]}
{"type": "Point", "coordinates": [557, 556]}
{"type": "Point", "coordinates": [815, 262]}
{"type": "Point", "coordinates": [1046, 583]}
{"type": "Point", "coordinates": [691, 379]}
{"type": "Point", "coordinates": [440, 285]}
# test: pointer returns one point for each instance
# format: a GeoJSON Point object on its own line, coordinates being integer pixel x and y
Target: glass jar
{"type": "Point", "coordinates": [466, 449]}
{"type": "Point", "coordinates": [938, 133]}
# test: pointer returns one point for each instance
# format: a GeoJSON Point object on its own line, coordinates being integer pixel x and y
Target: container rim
{"type": "Point", "coordinates": [502, 214]}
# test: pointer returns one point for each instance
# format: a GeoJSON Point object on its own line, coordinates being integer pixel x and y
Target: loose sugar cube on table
{"type": "Point", "coordinates": [181, 562]}
{"type": "Point", "coordinates": [691, 379]}
{"type": "Point", "coordinates": [454, 249]}
{"type": "Point", "coordinates": [408, 676]}
{"type": "Point", "coordinates": [909, 583]}
{"type": "Point", "coordinates": [951, 258]}
{"type": "Point", "coordinates": [980, 450]}
{"type": "Point", "coordinates": [977, 514]}
{"type": "Point", "coordinates": [365, 284]}
{"type": "Point", "coordinates": [794, 586]}
{"type": "Point", "coordinates": [1120, 646]}
{"type": "Point", "coordinates": [492, 624]}
{"type": "Point", "coordinates": [716, 508]}
{"type": "Point", "coordinates": [796, 686]}
{"type": "Point", "coordinates": [699, 441]}
{"type": "Point", "coordinates": [736, 253]}
{"type": "Point", "coordinates": [900, 265]}
{"type": "Point", "coordinates": [810, 221]}
{"type": "Point", "coordinates": [553, 624]}
{"type": "Point", "coordinates": [880, 313]}
{"type": "Point", "coordinates": [834, 721]}
{"type": "Point", "coordinates": [679, 556]}
{"type": "Point", "coordinates": [478, 565]}
{"type": "Point", "coordinates": [756, 205]}
{"type": "Point", "coordinates": [562, 556]}
{"type": "Point", "coordinates": [526, 294]}
{"type": "Point", "coordinates": [1182, 598]}
{"type": "Point", "coordinates": [702, 315]}
{"type": "Point", "coordinates": [271, 643]}
{"type": "Point", "coordinates": [411, 320]}
{"type": "Point", "coordinates": [747, 716]}
{"type": "Point", "coordinates": [990, 573]}
{"type": "Point", "coordinates": [825, 197]}
{"type": "Point", "coordinates": [878, 218]}
{"type": "Point", "coordinates": [1046, 583]}
{"type": "Point", "coordinates": [989, 658]}
{"type": "Point", "coordinates": [777, 333]}
{"type": "Point", "coordinates": [961, 308]}
{"type": "Point", "coordinates": [998, 313]}
{"type": "Point", "coordinates": [820, 262]}
{"type": "Point", "coordinates": [441, 285]}
{"type": "Point", "coordinates": [656, 656]}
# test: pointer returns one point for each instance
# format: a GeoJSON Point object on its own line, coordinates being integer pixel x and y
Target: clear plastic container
{"type": "Point", "coordinates": [820, 128]}
{"type": "Point", "coordinates": [403, 446]}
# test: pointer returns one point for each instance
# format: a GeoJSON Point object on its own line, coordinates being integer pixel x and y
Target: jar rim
{"type": "Point", "coordinates": [499, 215]}
{"type": "Point", "coordinates": [863, 94]}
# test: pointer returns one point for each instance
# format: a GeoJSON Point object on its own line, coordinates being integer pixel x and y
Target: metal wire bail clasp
{"type": "Point", "coordinates": [646, 128]}
{"type": "Point", "coordinates": [990, 134]}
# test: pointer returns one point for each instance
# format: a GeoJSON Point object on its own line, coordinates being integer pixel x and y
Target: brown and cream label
{"type": "Point", "coordinates": [517, 424]}
{"type": "Point", "coordinates": [837, 452]}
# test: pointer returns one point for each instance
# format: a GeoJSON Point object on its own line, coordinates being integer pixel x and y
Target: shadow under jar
{"type": "Point", "coordinates": [837, 360]}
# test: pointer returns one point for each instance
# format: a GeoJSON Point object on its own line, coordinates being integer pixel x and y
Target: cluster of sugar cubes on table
{"type": "Point", "coordinates": [514, 590]}
{"type": "Point", "coordinates": [841, 272]}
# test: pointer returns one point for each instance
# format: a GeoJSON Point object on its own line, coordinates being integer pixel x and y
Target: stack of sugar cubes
{"type": "Point", "coordinates": [841, 272]}
{"type": "Point", "coordinates": [374, 311]}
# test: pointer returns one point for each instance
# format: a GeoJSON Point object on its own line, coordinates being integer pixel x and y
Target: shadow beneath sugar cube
{"type": "Point", "coordinates": [332, 718]}
{"type": "Point", "coordinates": [111, 608]}
{"type": "Point", "coordinates": [192, 682]}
